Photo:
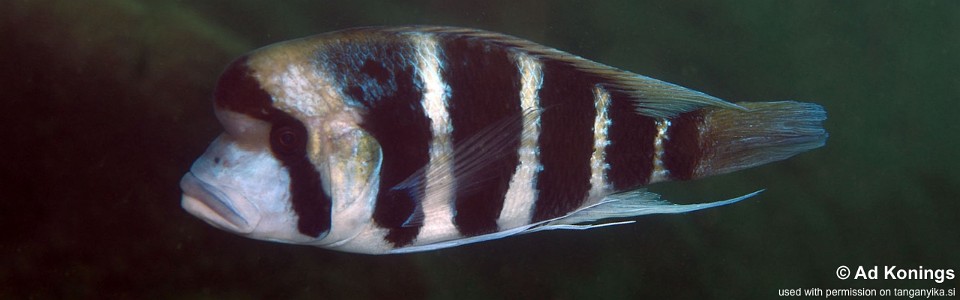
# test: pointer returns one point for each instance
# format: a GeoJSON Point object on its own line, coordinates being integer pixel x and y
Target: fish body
{"type": "Point", "coordinates": [405, 139]}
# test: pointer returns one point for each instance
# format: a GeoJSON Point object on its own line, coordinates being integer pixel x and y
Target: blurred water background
{"type": "Point", "coordinates": [106, 103]}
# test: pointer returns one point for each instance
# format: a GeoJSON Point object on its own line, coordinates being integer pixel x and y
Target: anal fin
{"type": "Point", "coordinates": [627, 204]}
{"type": "Point", "coordinates": [621, 205]}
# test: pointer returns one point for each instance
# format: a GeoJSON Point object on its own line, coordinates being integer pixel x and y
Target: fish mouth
{"type": "Point", "coordinates": [209, 203]}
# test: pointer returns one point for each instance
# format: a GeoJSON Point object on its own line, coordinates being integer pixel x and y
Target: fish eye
{"type": "Point", "coordinates": [287, 140]}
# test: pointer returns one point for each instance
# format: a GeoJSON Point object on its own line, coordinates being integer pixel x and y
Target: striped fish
{"type": "Point", "coordinates": [393, 140]}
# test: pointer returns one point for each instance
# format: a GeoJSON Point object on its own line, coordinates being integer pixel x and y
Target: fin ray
{"type": "Point", "coordinates": [766, 132]}
{"type": "Point", "coordinates": [468, 161]}
{"type": "Point", "coordinates": [628, 204]}
{"type": "Point", "coordinates": [652, 97]}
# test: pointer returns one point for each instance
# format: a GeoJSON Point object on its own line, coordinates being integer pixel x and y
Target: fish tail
{"type": "Point", "coordinates": [764, 132]}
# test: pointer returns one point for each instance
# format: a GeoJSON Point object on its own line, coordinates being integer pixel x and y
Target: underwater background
{"type": "Point", "coordinates": [106, 103]}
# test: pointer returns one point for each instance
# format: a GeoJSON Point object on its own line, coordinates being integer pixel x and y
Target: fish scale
{"type": "Point", "coordinates": [403, 139]}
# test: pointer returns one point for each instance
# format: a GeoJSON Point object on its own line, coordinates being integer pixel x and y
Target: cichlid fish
{"type": "Point", "coordinates": [392, 140]}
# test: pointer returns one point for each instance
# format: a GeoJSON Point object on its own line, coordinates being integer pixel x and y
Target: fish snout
{"type": "Point", "coordinates": [206, 202]}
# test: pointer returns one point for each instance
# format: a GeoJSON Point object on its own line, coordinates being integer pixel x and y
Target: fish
{"type": "Point", "coordinates": [384, 140]}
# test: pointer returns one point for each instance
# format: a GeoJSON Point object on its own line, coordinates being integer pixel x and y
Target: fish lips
{"type": "Point", "coordinates": [209, 203]}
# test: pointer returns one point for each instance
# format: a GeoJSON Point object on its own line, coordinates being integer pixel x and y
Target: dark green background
{"type": "Point", "coordinates": [106, 103]}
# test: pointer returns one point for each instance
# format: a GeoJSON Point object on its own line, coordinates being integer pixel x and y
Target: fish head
{"type": "Point", "coordinates": [239, 188]}
{"type": "Point", "coordinates": [279, 172]}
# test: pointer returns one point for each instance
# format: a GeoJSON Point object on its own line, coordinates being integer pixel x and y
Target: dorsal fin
{"type": "Point", "coordinates": [653, 98]}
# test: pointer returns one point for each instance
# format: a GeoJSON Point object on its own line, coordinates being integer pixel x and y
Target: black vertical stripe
{"type": "Point", "coordinates": [566, 140]}
{"type": "Point", "coordinates": [238, 91]}
{"type": "Point", "coordinates": [381, 76]}
{"type": "Point", "coordinates": [681, 150]}
{"type": "Point", "coordinates": [288, 142]}
{"type": "Point", "coordinates": [484, 90]}
{"type": "Point", "coordinates": [631, 150]}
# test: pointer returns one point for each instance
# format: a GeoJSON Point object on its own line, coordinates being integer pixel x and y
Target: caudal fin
{"type": "Point", "coordinates": [766, 132]}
